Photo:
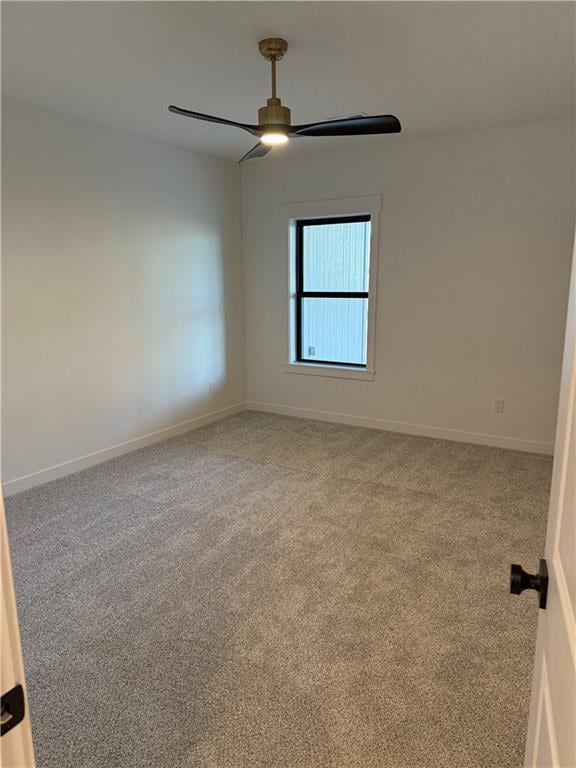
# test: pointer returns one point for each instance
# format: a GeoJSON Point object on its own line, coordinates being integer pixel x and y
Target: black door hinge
{"type": "Point", "coordinates": [12, 709]}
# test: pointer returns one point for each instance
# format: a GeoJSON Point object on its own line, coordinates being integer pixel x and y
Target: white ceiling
{"type": "Point", "coordinates": [440, 67]}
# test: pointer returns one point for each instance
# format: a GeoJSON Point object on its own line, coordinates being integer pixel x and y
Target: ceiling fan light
{"type": "Point", "coordinates": [274, 137]}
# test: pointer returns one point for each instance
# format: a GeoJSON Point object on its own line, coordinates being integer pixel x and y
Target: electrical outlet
{"type": "Point", "coordinates": [212, 387]}
{"type": "Point", "coordinates": [497, 406]}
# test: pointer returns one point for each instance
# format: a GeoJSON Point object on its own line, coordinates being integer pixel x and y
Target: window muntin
{"type": "Point", "coordinates": [332, 278]}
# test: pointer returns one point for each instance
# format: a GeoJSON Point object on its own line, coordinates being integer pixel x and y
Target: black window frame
{"type": "Point", "coordinates": [302, 294]}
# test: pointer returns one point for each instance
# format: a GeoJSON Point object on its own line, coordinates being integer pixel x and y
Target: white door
{"type": "Point", "coordinates": [16, 740]}
{"type": "Point", "coordinates": [551, 739]}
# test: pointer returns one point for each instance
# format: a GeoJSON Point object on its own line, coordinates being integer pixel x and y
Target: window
{"type": "Point", "coordinates": [332, 256]}
{"type": "Point", "coordinates": [332, 290]}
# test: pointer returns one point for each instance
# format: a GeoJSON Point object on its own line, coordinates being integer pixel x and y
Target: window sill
{"type": "Point", "coordinates": [332, 371]}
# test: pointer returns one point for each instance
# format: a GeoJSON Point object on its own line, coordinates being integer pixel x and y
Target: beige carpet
{"type": "Point", "coordinates": [270, 592]}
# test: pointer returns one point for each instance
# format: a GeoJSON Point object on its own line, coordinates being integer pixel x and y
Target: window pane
{"type": "Point", "coordinates": [335, 330]}
{"type": "Point", "coordinates": [336, 256]}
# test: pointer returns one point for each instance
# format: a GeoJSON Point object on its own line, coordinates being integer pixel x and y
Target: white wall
{"type": "Point", "coordinates": [122, 289]}
{"type": "Point", "coordinates": [475, 247]}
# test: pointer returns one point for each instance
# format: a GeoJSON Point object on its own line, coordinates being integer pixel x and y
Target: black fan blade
{"type": "Point", "coordinates": [351, 126]}
{"type": "Point", "coordinates": [258, 150]}
{"type": "Point", "coordinates": [253, 129]}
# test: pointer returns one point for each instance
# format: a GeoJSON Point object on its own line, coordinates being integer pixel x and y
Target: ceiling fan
{"type": "Point", "coordinates": [274, 125]}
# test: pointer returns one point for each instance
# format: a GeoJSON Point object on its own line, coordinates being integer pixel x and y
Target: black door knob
{"type": "Point", "coordinates": [520, 580]}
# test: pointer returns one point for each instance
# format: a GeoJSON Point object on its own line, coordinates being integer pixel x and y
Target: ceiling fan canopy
{"type": "Point", "coordinates": [274, 120]}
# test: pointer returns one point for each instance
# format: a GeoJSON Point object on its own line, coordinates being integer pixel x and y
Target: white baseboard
{"type": "Point", "coordinates": [42, 476]}
{"type": "Point", "coordinates": [497, 441]}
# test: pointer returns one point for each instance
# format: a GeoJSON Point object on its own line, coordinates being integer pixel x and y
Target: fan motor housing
{"type": "Point", "coordinates": [273, 114]}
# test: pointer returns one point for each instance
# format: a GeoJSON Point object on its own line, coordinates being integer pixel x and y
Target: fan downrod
{"type": "Point", "coordinates": [273, 48]}
{"type": "Point", "coordinates": [273, 114]}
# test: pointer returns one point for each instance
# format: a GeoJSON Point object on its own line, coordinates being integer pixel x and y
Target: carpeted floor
{"type": "Point", "coordinates": [270, 592]}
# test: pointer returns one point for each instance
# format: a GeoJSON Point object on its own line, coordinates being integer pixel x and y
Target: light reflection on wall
{"type": "Point", "coordinates": [192, 327]}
